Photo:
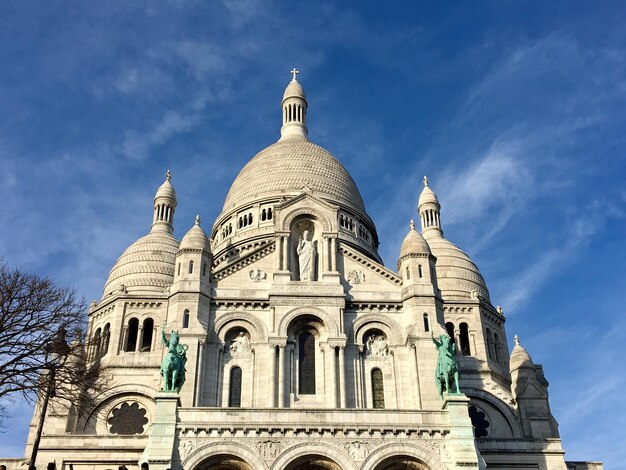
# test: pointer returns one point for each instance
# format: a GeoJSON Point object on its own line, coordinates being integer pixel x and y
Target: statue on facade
{"type": "Point", "coordinates": [447, 369]}
{"type": "Point", "coordinates": [306, 257]}
{"type": "Point", "coordinates": [377, 346]}
{"type": "Point", "coordinates": [240, 345]}
{"type": "Point", "coordinates": [173, 364]}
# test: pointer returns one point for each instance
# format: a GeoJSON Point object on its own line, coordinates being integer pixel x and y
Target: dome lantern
{"type": "Point", "coordinates": [294, 108]}
{"type": "Point", "coordinates": [429, 209]}
{"type": "Point", "coordinates": [164, 206]}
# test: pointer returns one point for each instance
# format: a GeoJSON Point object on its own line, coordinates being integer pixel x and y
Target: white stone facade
{"type": "Point", "coordinates": [333, 372]}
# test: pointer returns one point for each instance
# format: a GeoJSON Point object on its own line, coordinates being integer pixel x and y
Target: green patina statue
{"type": "Point", "coordinates": [173, 365]}
{"type": "Point", "coordinates": [447, 369]}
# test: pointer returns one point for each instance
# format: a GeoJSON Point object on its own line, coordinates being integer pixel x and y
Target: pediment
{"type": "Point", "coordinates": [373, 273]}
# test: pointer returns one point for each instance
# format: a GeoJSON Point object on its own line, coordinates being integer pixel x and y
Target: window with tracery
{"type": "Point", "coordinates": [234, 394]}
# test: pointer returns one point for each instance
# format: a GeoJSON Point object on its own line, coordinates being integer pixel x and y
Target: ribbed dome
{"type": "Point", "coordinates": [166, 189]}
{"type": "Point", "coordinates": [294, 90]}
{"type": "Point", "coordinates": [427, 195]}
{"type": "Point", "coordinates": [146, 266]}
{"type": "Point", "coordinates": [519, 357]}
{"type": "Point", "coordinates": [413, 243]}
{"type": "Point", "coordinates": [286, 168]}
{"type": "Point", "coordinates": [195, 239]}
{"type": "Point", "coordinates": [457, 275]}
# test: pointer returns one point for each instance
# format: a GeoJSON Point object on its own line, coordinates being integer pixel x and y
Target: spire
{"type": "Point", "coordinates": [197, 219]}
{"type": "Point", "coordinates": [429, 210]}
{"type": "Point", "coordinates": [411, 225]}
{"type": "Point", "coordinates": [294, 107]}
{"type": "Point", "coordinates": [164, 206]}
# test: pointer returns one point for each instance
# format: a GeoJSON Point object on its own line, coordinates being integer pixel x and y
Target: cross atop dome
{"type": "Point", "coordinates": [425, 181]}
{"type": "Point", "coordinates": [294, 72]}
{"type": "Point", "coordinates": [168, 175]}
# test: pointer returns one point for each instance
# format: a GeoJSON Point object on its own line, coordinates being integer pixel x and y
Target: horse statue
{"type": "Point", "coordinates": [173, 364]}
{"type": "Point", "coordinates": [447, 369]}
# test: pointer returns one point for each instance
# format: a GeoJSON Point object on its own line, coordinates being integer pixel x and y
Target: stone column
{"type": "Point", "coordinates": [122, 346]}
{"type": "Point", "coordinates": [272, 402]}
{"type": "Point", "coordinates": [218, 375]}
{"type": "Point", "coordinates": [281, 376]}
{"type": "Point", "coordinates": [333, 254]}
{"type": "Point", "coordinates": [154, 339]}
{"type": "Point", "coordinates": [139, 340]}
{"type": "Point", "coordinates": [342, 378]}
{"type": "Point", "coordinates": [199, 374]}
{"type": "Point", "coordinates": [333, 375]}
{"type": "Point", "coordinates": [359, 386]}
{"type": "Point", "coordinates": [418, 388]}
{"type": "Point", "coordinates": [285, 253]}
{"type": "Point", "coordinates": [278, 250]}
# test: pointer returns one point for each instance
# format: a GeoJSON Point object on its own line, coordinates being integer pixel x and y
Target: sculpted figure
{"type": "Point", "coordinates": [447, 369]}
{"type": "Point", "coordinates": [240, 346]}
{"type": "Point", "coordinates": [306, 257]}
{"type": "Point", "coordinates": [377, 346]}
{"type": "Point", "coordinates": [173, 365]}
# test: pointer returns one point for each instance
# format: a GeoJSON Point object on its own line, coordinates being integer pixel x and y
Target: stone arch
{"type": "Point", "coordinates": [363, 323]}
{"type": "Point", "coordinates": [285, 322]}
{"type": "Point", "coordinates": [499, 405]}
{"type": "Point", "coordinates": [429, 458]}
{"type": "Point", "coordinates": [314, 448]}
{"type": "Point", "coordinates": [232, 448]}
{"type": "Point", "coordinates": [288, 218]}
{"type": "Point", "coordinates": [109, 399]}
{"type": "Point", "coordinates": [245, 320]}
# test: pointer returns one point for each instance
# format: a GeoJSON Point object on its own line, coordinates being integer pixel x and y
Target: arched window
{"type": "Point", "coordinates": [496, 348]}
{"type": "Point", "coordinates": [106, 335]}
{"type": "Point", "coordinates": [419, 271]}
{"type": "Point", "coordinates": [203, 269]}
{"type": "Point", "coordinates": [186, 319]}
{"type": "Point", "coordinates": [426, 323]}
{"type": "Point", "coordinates": [97, 341]}
{"type": "Point", "coordinates": [250, 218]}
{"type": "Point", "coordinates": [378, 389]}
{"type": "Point", "coordinates": [146, 337]}
{"type": "Point", "coordinates": [131, 334]}
{"type": "Point", "coordinates": [269, 214]}
{"type": "Point", "coordinates": [450, 329]}
{"type": "Point", "coordinates": [465, 342]}
{"type": "Point", "coordinates": [490, 344]}
{"type": "Point", "coordinates": [408, 273]}
{"type": "Point", "coordinates": [263, 215]}
{"type": "Point", "coordinates": [178, 274]}
{"type": "Point", "coordinates": [190, 267]}
{"type": "Point", "coordinates": [234, 394]}
{"type": "Point", "coordinates": [306, 355]}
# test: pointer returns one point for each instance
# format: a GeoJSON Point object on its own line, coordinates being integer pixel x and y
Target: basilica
{"type": "Point", "coordinates": [297, 347]}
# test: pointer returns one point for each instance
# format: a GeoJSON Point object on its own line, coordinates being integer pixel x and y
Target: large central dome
{"type": "Point", "coordinates": [289, 166]}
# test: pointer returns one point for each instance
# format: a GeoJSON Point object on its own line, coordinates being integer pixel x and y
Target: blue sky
{"type": "Point", "coordinates": [515, 110]}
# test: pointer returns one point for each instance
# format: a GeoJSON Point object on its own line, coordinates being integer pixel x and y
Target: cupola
{"type": "Point", "coordinates": [429, 208]}
{"type": "Point", "coordinates": [164, 206]}
{"type": "Point", "coordinates": [294, 110]}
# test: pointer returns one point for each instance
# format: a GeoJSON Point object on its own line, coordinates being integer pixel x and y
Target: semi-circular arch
{"type": "Point", "coordinates": [314, 448]}
{"type": "Point", "coordinates": [195, 459]}
{"type": "Point", "coordinates": [389, 451]}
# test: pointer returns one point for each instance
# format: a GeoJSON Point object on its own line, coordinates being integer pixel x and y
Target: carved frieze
{"type": "Point", "coordinates": [355, 276]}
{"type": "Point", "coordinates": [332, 301]}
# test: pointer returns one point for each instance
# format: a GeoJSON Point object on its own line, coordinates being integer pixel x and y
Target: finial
{"type": "Point", "coordinates": [294, 72]}
{"type": "Point", "coordinates": [168, 175]}
{"type": "Point", "coordinates": [197, 219]}
{"type": "Point", "coordinates": [425, 181]}
{"type": "Point", "coordinates": [516, 339]}
{"type": "Point", "coordinates": [412, 225]}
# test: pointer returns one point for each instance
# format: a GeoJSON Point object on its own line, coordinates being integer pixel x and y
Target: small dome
{"type": "Point", "coordinates": [413, 243]}
{"type": "Point", "coordinates": [519, 357]}
{"type": "Point", "coordinates": [195, 238]}
{"type": "Point", "coordinates": [147, 266]}
{"type": "Point", "coordinates": [457, 275]}
{"type": "Point", "coordinates": [294, 90]}
{"type": "Point", "coordinates": [166, 189]}
{"type": "Point", "coordinates": [427, 195]}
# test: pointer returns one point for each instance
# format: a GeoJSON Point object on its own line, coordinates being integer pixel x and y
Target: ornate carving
{"type": "Point", "coordinates": [378, 268]}
{"type": "Point", "coordinates": [127, 419]}
{"type": "Point", "coordinates": [187, 448]}
{"type": "Point", "coordinates": [240, 346]}
{"type": "Point", "coordinates": [358, 450]}
{"type": "Point", "coordinates": [268, 450]}
{"type": "Point", "coordinates": [355, 276]}
{"type": "Point", "coordinates": [376, 346]}
{"type": "Point", "coordinates": [337, 302]}
{"type": "Point", "coordinates": [257, 275]}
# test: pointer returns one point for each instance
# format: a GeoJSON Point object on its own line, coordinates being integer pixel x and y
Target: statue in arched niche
{"type": "Point", "coordinates": [306, 257]}
{"type": "Point", "coordinates": [376, 346]}
{"type": "Point", "coordinates": [240, 346]}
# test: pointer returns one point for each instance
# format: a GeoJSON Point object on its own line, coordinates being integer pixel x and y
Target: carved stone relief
{"type": "Point", "coordinates": [355, 276]}
{"type": "Point", "coordinates": [257, 275]}
{"type": "Point", "coordinates": [239, 347]}
{"type": "Point", "coordinates": [376, 346]}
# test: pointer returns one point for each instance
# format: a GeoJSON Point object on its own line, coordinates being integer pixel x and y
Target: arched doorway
{"type": "Point", "coordinates": [224, 462]}
{"type": "Point", "coordinates": [313, 462]}
{"type": "Point", "coordinates": [401, 462]}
